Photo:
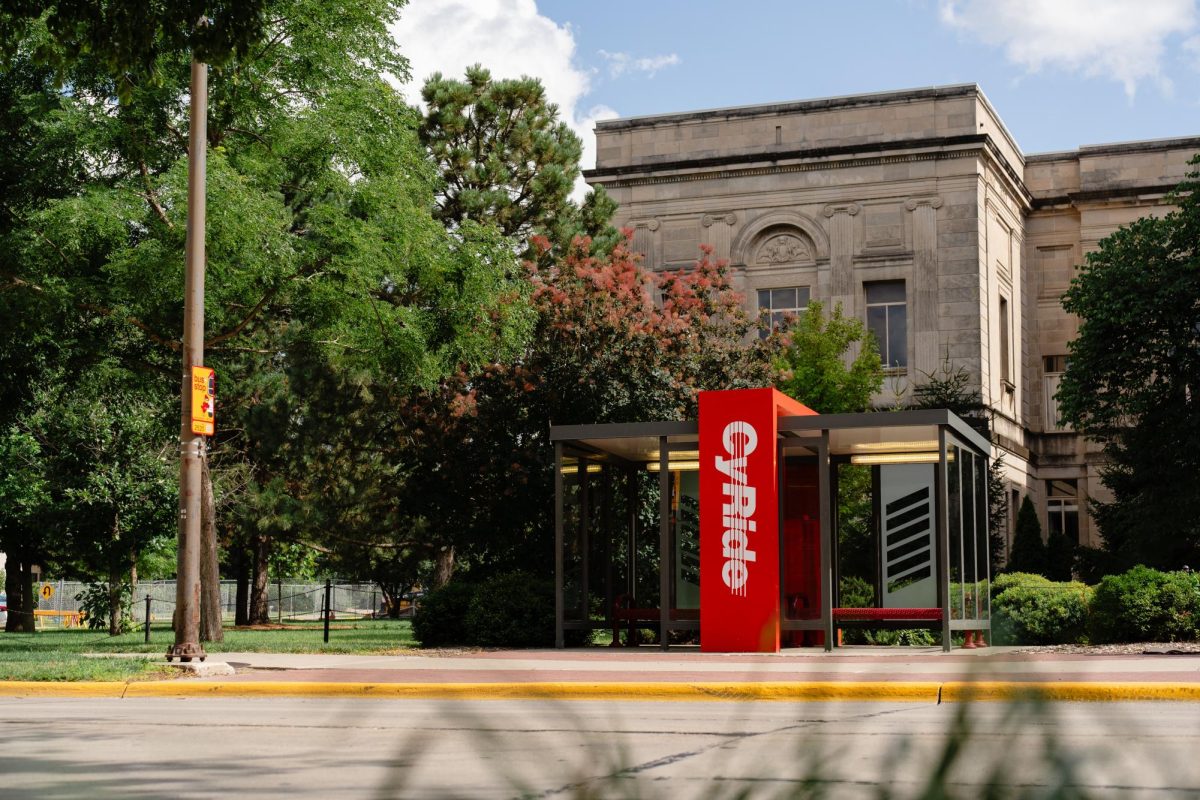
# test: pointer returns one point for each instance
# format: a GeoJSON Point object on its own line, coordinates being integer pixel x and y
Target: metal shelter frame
{"type": "Point", "coordinates": [597, 454]}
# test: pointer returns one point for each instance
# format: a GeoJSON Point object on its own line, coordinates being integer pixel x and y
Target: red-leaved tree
{"type": "Point", "coordinates": [612, 342]}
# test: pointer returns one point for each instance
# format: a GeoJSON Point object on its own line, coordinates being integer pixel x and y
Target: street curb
{"type": "Point", "coordinates": [777, 691]}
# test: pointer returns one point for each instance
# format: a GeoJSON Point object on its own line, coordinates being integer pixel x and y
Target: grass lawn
{"type": "Point", "coordinates": [58, 655]}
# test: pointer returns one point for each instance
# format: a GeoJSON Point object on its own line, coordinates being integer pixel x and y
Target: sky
{"type": "Point", "coordinates": [1060, 73]}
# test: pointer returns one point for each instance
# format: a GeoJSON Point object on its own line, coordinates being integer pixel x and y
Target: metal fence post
{"type": "Point", "coordinates": [279, 599]}
{"type": "Point", "coordinates": [147, 618]}
{"type": "Point", "coordinates": [374, 607]}
{"type": "Point", "coordinates": [328, 609]}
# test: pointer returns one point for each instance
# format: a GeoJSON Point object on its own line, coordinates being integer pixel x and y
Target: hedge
{"type": "Point", "coordinates": [1145, 605]}
{"type": "Point", "coordinates": [514, 609]}
{"type": "Point", "coordinates": [1040, 612]}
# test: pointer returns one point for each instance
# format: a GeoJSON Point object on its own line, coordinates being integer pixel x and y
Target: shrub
{"type": "Point", "coordinates": [855, 592]}
{"type": "Point", "coordinates": [1010, 579]}
{"type": "Point", "coordinates": [1145, 605]}
{"type": "Point", "coordinates": [514, 609]}
{"type": "Point", "coordinates": [94, 603]}
{"type": "Point", "coordinates": [441, 619]}
{"type": "Point", "coordinates": [1033, 610]}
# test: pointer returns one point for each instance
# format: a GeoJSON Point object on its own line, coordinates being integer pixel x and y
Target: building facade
{"type": "Point", "coordinates": [919, 214]}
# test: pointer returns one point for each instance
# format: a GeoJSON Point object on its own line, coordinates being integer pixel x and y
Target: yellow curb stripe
{"type": "Point", "coordinates": [651, 691]}
{"type": "Point", "coordinates": [1070, 691]}
{"type": "Point", "coordinates": [777, 691]}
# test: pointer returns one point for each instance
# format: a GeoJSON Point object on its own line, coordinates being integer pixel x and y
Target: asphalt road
{"type": "Point", "coordinates": [334, 748]}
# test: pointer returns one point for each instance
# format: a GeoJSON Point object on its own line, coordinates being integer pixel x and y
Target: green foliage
{"type": "Point", "coordinates": [1145, 605]}
{"type": "Point", "coordinates": [333, 289]}
{"type": "Point", "coordinates": [1028, 550]}
{"type": "Point", "coordinates": [811, 362]}
{"type": "Point", "coordinates": [441, 618]}
{"type": "Point", "coordinates": [1029, 609]}
{"type": "Point", "coordinates": [129, 37]}
{"type": "Point", "coordinates": [1060, 556]}
{"type": "Point", "coordinates": [1130, 383]}
{"type": "Point", "coordinates": [96, 601]}
{"type": "Point", "coordinates": [600, 351]}
{"type": "Point", "coordinates": [1008, 580]}
{"type": "Point", "coordinates": [855, 592]}
{"type": "Point", "coordinates": [505, 159]}
{"type": "Point", "coordinates": [904, 637]}
{"type": "Point", "coordinates": [514, 609]}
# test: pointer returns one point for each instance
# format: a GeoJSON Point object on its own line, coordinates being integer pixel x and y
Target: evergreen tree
{"type": "Point", "coordinates": [506, 159]}
{"type": "Point", "coordinates": [1028, 551]}
{"type": "Point", "coordinates": [1060, 556]}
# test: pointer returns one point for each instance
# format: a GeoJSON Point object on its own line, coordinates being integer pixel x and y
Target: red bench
{"type": "Point", "coordinates": [887, 614]}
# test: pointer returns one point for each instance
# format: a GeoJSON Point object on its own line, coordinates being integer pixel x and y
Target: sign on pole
{"type": "Point", "coordinates": [47, 591]}
{"type": "Point", "coordinates": [204, 401]}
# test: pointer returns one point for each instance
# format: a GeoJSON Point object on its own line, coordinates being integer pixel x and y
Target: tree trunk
{"type": "Point", "coordinates": [260, 608]}
{"type": "Point", "coordinates": [443, 567]}
{"type": "Point", "coordinates": [114, 603]}
{"type": "Point", "coordinates": [18, 585]}
{"type": "Point", "coordinates": [210, 566]}
{"type": "Point", "coordinates": [241, 572]}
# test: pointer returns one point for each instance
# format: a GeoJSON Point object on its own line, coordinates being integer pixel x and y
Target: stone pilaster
{"type": "Point", "coordinates": [841, 255]}
{"type": "Point", "coordinates": [644, 240]}
{"type": "Point", "coordinates": [718, 231]}
{"type": "Point", "coordinates": [923, 319]}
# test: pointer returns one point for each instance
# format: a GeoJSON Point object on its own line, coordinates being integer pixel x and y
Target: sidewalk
{"type": "Point", "coordinates": [852, 673]}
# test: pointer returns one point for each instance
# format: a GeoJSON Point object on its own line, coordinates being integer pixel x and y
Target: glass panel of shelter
{"type": "Point", "coordinates": [969, 545]}
{"type": "Point", "coordinates": [611, 540]}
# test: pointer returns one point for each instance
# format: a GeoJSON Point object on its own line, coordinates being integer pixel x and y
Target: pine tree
{"type": "Point", "coordinates": [1028, 550]}
{"type": "Point", "coordinates": [1060, 556]}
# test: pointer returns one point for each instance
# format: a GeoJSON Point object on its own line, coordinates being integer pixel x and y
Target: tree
{"type": "Point", "coordinates": [811, 362]}
{"type": "Point", "coordinates": [1028, 551]}
{"type": "Point", "coordinates": [107, 457]}
{"type": "Point", "coordinates": [323, 247]}
{"type": "Point", "coordinates": [127, 39]}
{"type": "Point", "coordinates": [1060, 556]}
{"type": "Point", "coordinates": [601, 351]}
{"type": "Point", "coordinates": [1132, 382]}
{"type": "Point", "coordinates": [505, 158]}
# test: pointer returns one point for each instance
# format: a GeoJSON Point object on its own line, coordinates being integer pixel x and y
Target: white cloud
{"type": "Point", "coordinates": [511, 39]}
{"type": "Point", "coordinates": [620, 63]}
{"type": "Point", "coordinates": [1119, 39]}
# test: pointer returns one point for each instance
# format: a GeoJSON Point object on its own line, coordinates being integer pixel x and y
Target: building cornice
{"type": "Point", "coordinates": [744, 165]}
{"type": "Point", "coordinates": [792, 107]}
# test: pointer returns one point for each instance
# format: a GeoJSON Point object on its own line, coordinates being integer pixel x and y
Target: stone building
{"type": "Point", "coordinates": [917, 211]}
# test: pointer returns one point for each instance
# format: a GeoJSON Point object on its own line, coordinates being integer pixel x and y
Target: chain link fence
{"type": "Point", "coordinates": [287, 602]}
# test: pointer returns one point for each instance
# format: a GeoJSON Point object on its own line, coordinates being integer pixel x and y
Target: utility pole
{"type": "Point", "coordinates": [191, 445]}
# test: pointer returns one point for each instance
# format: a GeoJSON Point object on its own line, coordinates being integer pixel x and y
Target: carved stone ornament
{"type": "Point", "coordinates": [912, 203]}
{"type": "Point", "coordinates": [784, 249]}
{"type": "Point", "coordinates": [708, 220]}
{"type": "Point", "coordinates": [850, 208]}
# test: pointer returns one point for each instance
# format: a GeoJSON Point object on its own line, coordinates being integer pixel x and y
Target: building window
{"type": "Point", "coordinates": [1053, 368]}
{"type": "Point", "coordinates": [782, 303]}
{"type": "Point", "coordinates": [887, 318]}
{"type": "Point", "coordinates": [1005, 345]}
{"type": "Point", "coordinates": [1062, 509]}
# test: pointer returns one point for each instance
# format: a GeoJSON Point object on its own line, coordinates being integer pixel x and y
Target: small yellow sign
{"type": "Point", "coordinates": [204, 401]}
{"type": "Point", "coordinates": [47, 591]}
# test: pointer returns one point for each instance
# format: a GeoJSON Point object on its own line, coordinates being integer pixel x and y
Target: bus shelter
{"type": "Point", "coordinates": [764, 525]}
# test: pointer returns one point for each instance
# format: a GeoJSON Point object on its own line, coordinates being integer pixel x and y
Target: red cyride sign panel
{"type": "Point", "coordinates": [739, 519]}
